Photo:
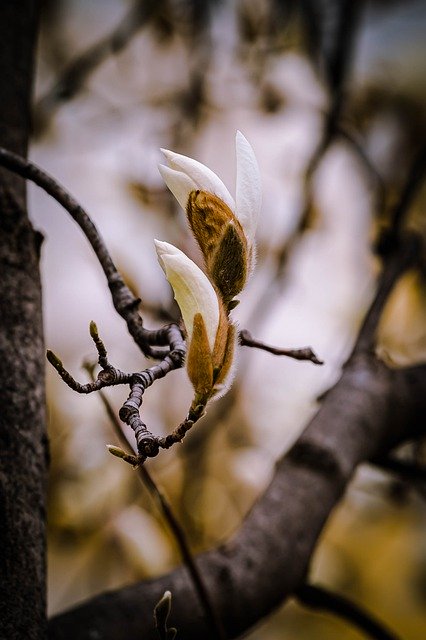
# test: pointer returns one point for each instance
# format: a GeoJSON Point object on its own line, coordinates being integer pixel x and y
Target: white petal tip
{"type": "Point", "coordinates": [178, 182]}
{"type": "Point", "coordinates": [166, 248]}
{"type": "Point", "coordinates": [249, 191]}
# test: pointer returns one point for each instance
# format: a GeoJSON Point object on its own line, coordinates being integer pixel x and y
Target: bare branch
{"type": "Point", "coordinates": [246, 340]}
{"type": "Point", "coordinates": [323, 599]}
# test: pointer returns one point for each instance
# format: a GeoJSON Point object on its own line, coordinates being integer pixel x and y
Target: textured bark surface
{"type": "Point", "coordinates": [23, 444]}
{"type": "Point", "coordinates": [371, 409]}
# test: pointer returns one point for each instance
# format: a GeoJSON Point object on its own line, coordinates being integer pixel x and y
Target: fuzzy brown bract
{"type": "Point", "coordinates": [222, 241]}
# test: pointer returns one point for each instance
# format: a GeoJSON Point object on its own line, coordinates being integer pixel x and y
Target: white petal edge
{"type": "Point", "coordinates": [249, 188]}
{"type": "Point", "coordinates": [224, 387]}
{"type": "Point", "coordinates": [179, 184]}
{"type": "Point", "coordinates": [192, 289]}
{"type": "Point", "coordinates": [204, 178]}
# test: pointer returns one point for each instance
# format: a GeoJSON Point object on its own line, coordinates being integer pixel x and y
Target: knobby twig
{"type": "Point", "coordinates": [147, 443]}
{"type": "Point", "coordinates": [316, 597]}
{"type": "Point", "coordinates": [246, 340]}
{"type": "Point", "coordinates": [165, 507]}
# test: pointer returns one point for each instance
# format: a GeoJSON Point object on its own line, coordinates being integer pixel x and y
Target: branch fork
{"type": "Point", "coordinates": [148, 444]}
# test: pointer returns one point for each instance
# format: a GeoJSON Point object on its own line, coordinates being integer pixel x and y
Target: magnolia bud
{"type": "Point", "coordinates": [222, 242]}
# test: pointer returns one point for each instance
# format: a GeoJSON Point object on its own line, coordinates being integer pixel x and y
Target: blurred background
{"type": "Point", "coordinates": [331, 95]}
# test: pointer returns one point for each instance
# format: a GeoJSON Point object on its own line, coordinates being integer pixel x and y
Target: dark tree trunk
{"type": "Point", "coordinates": [23, 443]}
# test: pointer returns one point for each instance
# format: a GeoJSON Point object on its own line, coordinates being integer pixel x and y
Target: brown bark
{"type": "Point", "coordinates": [23, 444]}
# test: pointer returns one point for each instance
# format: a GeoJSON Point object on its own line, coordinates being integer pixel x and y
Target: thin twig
{"type": "Point", "coordinates": [319, 598]}
{"type": "Point", "coordinates": [246, 340]}
{"type": "Point", "coordinates": [173, 523]}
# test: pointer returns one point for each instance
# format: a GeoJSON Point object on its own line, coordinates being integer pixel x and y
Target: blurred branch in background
{"type": "Point", "coordinates": [324, 600]}
{"type": "Point", "coordinates": [190, 19]}
{"type": "Point", "coordinates": [78, 70]}
{"type": "Point", "coordinates": [337, 24]}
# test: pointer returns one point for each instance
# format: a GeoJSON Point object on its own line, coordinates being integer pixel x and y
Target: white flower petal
{"type": "Point", "coordinates": [204, 178]}
{"type": "Point", "coordinates": [193, 290]}
{"type": "Point", "coordinates": [249, 188]}
{"type": "Point", "coordinates": [179, 184]}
